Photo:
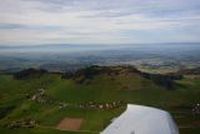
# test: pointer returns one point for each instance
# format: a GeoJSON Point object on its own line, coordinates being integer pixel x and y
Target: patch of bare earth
{"type": "Point", "coordinates": [72, 124]}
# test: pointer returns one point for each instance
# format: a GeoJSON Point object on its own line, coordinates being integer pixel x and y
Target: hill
{"type": "Point", "coordinates": [82, 75]}
{"type": "Point", "coordinates": [193, 71]}
{"type": "Point", "coordinates": [91, 98]}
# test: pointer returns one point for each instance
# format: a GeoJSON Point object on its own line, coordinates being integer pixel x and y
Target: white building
{"type": "Point", "coordinates": [142, 120]}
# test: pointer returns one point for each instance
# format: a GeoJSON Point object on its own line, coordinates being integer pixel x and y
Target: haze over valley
{"type": "Point", "coordinates": [156, 58]}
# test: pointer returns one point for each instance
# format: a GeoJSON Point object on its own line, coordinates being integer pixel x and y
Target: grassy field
{"type": "Point", "coordinates": [15, 105]}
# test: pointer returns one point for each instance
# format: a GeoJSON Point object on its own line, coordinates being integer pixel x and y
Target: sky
{"type": "Point", "coordinates": [32, 22]}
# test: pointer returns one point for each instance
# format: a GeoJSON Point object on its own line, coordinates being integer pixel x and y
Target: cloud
{"type": "Point", "coordinates": [9, 26]}
{"type": "Point", "coordinates": [99, 21]}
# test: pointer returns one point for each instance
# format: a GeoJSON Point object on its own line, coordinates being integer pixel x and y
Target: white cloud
{"type": "Point", "coordinates": [94, 22]}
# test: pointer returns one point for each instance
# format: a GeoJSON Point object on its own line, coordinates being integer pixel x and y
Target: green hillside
{"type": "Point", "coordinates": [36, 104]}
